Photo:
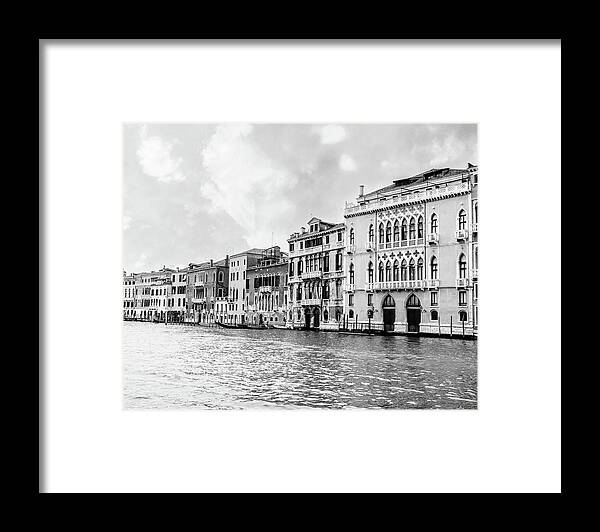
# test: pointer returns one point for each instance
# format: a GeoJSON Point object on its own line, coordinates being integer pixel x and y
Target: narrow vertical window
{"type": "Point", "coordinates": [462, 219]}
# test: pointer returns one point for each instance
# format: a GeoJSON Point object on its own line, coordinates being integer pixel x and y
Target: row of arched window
{"type": "Point", "coordinates": [407, 229]}
{"type": "Point", "coordinates": [406, 270]}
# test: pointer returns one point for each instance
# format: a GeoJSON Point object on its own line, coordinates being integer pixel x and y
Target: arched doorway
{"type": "Point", "coordinates": [307, 317]}
{"type": "Point", "coordinates": [413, 313]}
{"type": "Point", "coordinates": [316, 316]}
{"type": "Point", "coordinates": [389, 313]}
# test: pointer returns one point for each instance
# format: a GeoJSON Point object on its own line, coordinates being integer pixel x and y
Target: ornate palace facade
{"type": "Point", "coordinates": [412, 254]}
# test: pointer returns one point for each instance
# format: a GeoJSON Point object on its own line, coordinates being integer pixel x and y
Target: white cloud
{"type": "Point", "coordinates": [244, 182]}
{"type": "Point", "coordinates": [347, 163]}
{"type": "Point", "coordinates": [450, 149]}
{"type": "Point", "coordinates": [141, 264]}
{"type": "Point", "coordinates": [331, 134]}
{"type": "Point", "coordinates": [156, 159]}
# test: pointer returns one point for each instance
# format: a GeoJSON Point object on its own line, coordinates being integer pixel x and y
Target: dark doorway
{"type": "Point", "coordinates": [307, 318]}
{"type": "Point", "coordinates": [413, 313]}
{"type": "Point", "coordinates": [389, 313]}
{"type": "Point", "coordinates": [316, 313]}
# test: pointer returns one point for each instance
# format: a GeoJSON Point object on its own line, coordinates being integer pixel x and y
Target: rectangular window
{"type": "Point", "coordinates": [434, 299]}
{"type": "Point", "coordinates": [292, 247]}
{"type": "Point", "coordinates": [462, 297]}
{"type": "Point", "coordinates": [350, 300]}
{"type": "Point", "coordinates": [339, 236]}
{"type": "Point", "coordinates": [370, 299]}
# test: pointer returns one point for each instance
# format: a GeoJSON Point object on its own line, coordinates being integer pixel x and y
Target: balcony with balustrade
{"type": "Point", "coordinates": [462, 234]}
{"type": "Point", "coordinates": [462, 282]}
{"type": "Point", "coordinates": [370, 245]}
{"type": "Point", "coordinates": [432, 283]}
{"type": "Point", "coordinates": [433, 238]}
{"type": "Point", "coordinates": [310, 301]}
{"type": "Point", "coordinates": [350, 249]}
{"type": "Point", "coordinates": [265, 289]}
{"type": "Point", "coordinates": [475, 227]}
{"type": "Point", "coordinates": [349, 287]}
{"type": "Point", "coordinates": [334, 275]}
{"type": "Point", "coordinates": [312, 275]}
{"type": "Point", "coordinates": [412, 284]}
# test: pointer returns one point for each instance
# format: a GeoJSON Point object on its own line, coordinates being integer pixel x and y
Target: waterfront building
{"type": "Point", "coordinates": [266, 288]}
{"type": "Point", "coordinates": [177, 303]}
{"type": "Point", "coordinates": [238, 266]}
{"type": "Point", "coordinates": [316, 275]}
{"type": "Point", "coordinates": [152, 291]}
{"type": "Point", "coordinates": [128, 295]}
{"type": "Point", "coordinates": [412, 257]}
{"type": "Point", "coordinates": [206, 282]}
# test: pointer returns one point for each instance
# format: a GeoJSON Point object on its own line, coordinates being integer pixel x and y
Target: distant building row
{"type": "Point", "coordinates": [404, 260]}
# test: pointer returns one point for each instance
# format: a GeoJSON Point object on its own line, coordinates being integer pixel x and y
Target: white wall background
{"type": "Point", "coordinates": [511, 443]}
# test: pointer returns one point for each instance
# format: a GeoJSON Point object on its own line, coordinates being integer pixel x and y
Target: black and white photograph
{"type": "Point", "coordinates": [300, 265]}
{"type": "Point", "coordinates": [261, 271]}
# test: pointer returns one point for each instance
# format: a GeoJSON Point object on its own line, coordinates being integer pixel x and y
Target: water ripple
{"type": "Point", "coordinates": [183, 366]}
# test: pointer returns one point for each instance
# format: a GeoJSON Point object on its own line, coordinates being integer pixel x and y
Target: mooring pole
{"type": "Point", "coordinates": [451, 326]}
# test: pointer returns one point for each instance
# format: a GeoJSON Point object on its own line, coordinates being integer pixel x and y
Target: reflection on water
{"type": "Point", "coordinates": [191, 366]}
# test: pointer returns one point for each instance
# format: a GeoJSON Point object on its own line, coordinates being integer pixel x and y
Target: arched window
{"type": "Point", "coordinates": [434, 268]}
{"type": "Point", "coordinates": [352, 235]}
{"type": "Point", "coordinates": [351, 273]}
{"type": "Point", "coordinates": [388, 271]}
{"type": "Point", "coordinates": [388, 232]}
{"type": "Point", "coordinates": [380, 278]}
{"type": "Point", "coordinates": [403, 270]}
{"type": "Point", "coordinates": [220, 277]}
{"type": "Point", "coordinates": [370, 273]}
{"type": "Point", "coordinates": [411, 270]}
{"type": "Point", "coordinates": [462, 266]}
{"type": "Point", "coordinates": [462, 315]}
{"type": "Point", "coordinates": [300, 266]}
{"type": "Point", "coordinates": [462, 219]}
{"type": "Point", "coordinates": [411, 229]}
{"type": "Point", "coordinates": [291, 268]}
{"type": "Point", "coordinates": [403, 234]}
{"type": "Point", "coordinates": [351, 314]}
{"type": "Point", "coordinates": [434, 315]}
{"type": "Point", "coordinates": [388, 301]}
{"type": "Point", "coordinates": [396, 271]}
{"type": "Point", "coordinates": [396, 232]}
{"type": "Point", "coordinates": [413, 301]}
{"type": "Point", "coordinates": [326, 290]}
{"type": "Point", "coordinates": [434, 223]}
{"type": "Point", "coordinates": [420, 227]}
{"type": "Point", "coordinates": [325, 315]}
{"type": "Point", "coordinates": [420, 268]}
{"type": "Point", "coordinates": [371, 233]}
{"type": "Point", "coordinates": [381, 233]}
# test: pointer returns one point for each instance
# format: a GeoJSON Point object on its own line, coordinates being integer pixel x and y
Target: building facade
{"type": "Point", "coordinates": [267, 288]}
{"type": "Point", "coordinates": [177, 304]}
{"type": "Point", "coordinates": [238, 267]}
{"type": "Point", "coordinates": [412, 254]}
{"type": "Point", "coordinates": [152, 292]}
{"type": "Point", "coordinates": [128, 295]}
{"type": "Point", "coordinates": [207, 282]}
{"type": "Point", "coordinates": [316, 275]}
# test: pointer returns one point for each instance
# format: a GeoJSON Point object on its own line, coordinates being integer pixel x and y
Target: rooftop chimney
{"type": "Point", "coordinates": [362, 190]}
{"type": "Point", "coordinates": [303, 229]}
{"type": "Point", "coordinates": [211, 262]}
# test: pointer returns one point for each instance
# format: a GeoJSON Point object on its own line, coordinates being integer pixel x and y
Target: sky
{"type": "Point", "coordinates": [195, 192]}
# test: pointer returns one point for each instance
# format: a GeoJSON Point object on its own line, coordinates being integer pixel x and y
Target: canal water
{"type": "Point", "coordinates": [185, 366]}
